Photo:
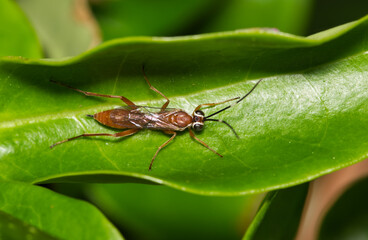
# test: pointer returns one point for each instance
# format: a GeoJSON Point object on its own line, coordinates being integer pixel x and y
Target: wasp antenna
{"type": "Point", "coordinates": [222, 121]}
{"type": "Point", "coordinates": [89, 115]}
{"type": "Point", "coordinates": [246, 95]}
{"type": "Point", "coordinates": [241, 99]}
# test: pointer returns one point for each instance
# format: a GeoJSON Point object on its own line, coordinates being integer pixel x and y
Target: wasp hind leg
{"type": "Point", "coordinates": [119, 134]}
{"type": "Point", "coordinates": [124, 99]}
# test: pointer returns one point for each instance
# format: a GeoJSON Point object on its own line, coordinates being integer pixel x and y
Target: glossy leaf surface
{"type": "Point", "coordinates": [55, 215]}
{"type": "Point", "coordinates": [307, 118]}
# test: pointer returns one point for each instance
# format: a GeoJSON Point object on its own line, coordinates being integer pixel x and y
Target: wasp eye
{"type": "Point", "coordinates": [199, 113]}
{"type": "Point", "coordinates": [198, 127]}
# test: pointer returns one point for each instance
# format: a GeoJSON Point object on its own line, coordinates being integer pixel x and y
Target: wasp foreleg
{"type": "Point", "coordinates": [124, 99]}
{"type": "Point", "coordinates": [201, 142]}
{"type": "Point", "coordinates": [214, 104]}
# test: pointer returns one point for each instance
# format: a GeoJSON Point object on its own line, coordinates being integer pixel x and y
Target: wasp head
{"type": "Point", "coordinates": [198, 119]}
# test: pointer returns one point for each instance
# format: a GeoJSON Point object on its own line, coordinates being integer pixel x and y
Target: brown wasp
{"type": "Point", "coordinates": [134, 118]}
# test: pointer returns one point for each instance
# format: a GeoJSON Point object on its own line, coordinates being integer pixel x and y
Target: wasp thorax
{"type": "Point", "coordinates": [182, 119]}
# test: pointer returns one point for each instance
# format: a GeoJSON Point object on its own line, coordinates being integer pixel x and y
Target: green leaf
{"type": "Point", "coordinates": [54, 214]}
{"type": "Point", "coordinates": [348, 217]}
{"type": "Point", "coordinates": [307, 118]}
{"type": "Point", "coordinates": [240, 14]}
{"type": "Point", "coordinates": [279, 215]}
{"type": "Point", "coordinates": [65, 28]}
{"type": "Point", "coordinates": [22, 42]}
{"type": "Point", "coordinates": [14, 229]}
{"type": "Point", "coordinates": [326, 15]}
{"type": "Point", "coordinates": [158, 212]}
{"type": "Point", "coordinates": [145, 17]}
{"type": "Point", "coordinates": [175, 17]}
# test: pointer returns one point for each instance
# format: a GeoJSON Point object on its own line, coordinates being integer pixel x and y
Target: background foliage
{"type": "Point", "coordinates": [306, 119]}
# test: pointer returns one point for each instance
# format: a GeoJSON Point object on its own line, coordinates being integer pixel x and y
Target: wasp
{"type": "Point", "coordinates": [134, 118]}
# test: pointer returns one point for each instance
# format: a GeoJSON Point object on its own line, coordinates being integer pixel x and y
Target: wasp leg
{"type": "Point", "coordinates": [201, 142]}
{"type": "Point", "coordinates": [119, 134]}
{"type": "Point", "coordinates": [154, 89]}
{"type": "Point", "coordinates": [213, 104]}
{"type": "Point", "coordinates": [124, 99]}
{"type": "Point", "coordinates": [163, 145]}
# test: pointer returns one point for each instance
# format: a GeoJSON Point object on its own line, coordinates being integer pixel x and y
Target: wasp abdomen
{"type": "Point", "coordinates": [121, 118]}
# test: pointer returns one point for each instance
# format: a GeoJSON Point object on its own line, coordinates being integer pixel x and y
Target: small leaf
{"type": "Point", "coordinates": [22, 42]}
{"type": "Point", "coordinates": [54, 214]}
{"type": "Point", "coordinates": [65, 28]}
{"type": "Point", "coordinates": [279, 214]}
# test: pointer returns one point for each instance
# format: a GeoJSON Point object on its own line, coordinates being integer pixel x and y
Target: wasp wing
{"type": "Point", "coordinates": [143, 117]}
